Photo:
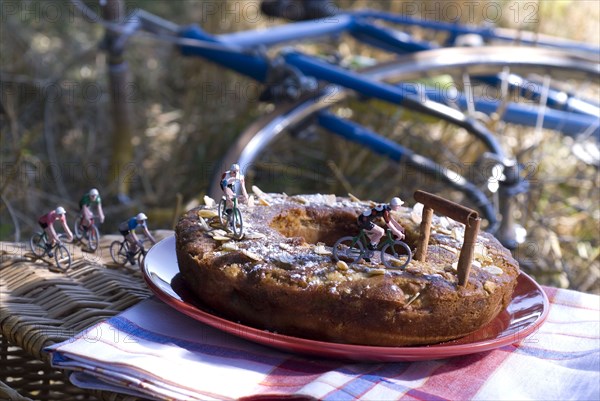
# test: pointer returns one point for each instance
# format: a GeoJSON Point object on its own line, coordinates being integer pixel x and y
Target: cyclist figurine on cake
{"type": "Point", "coordinates": [47, 223]}
{"type": "Point", "coordinates": [86, 203]}
{"type": "Point", "coordinates": [127, 229]}
{"type": "Point", "coordinates": [375, 232]}
{"type": "Point", "coordinates": [232, 183]}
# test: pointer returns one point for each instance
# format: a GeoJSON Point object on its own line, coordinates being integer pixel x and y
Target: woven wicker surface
{"type": "Point", "coordinates": [39, 307]}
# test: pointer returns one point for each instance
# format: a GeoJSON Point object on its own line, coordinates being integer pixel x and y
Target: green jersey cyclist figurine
{"type": "Point", "coordinates": [87, 202]}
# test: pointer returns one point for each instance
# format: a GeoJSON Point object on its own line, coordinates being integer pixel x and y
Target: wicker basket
{"type": "Point", "coordinates": [40, 307]}
{"type": "Point", "coordinates": [23, 375]}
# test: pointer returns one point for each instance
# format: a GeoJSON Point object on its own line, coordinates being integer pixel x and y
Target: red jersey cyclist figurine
{"type": "Point", "coordinates": [87, 203]}
{"type": "Point", "coordinates": [127, 229]}
{"type": "Point", "coordinates": [47, 223]}
{"type": "Point", "coordinates": [373, 231]}
{"type": "Point", "coordinates": [232, 183]}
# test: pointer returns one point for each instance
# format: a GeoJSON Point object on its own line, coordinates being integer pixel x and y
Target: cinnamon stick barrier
{"type": "Point", "coordinates": [446, 208]}
{"type": "Point", "coordinates": [469, 217]}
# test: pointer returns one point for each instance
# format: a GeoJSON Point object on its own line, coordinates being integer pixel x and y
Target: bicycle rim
{"type": "Point", "coordinates": [37, 245]}
{"type": "Point", "coordinates": [287, 152]}
{"type": "Point", "coordinates": [396, 256]}
{"type": "Point", "coordinates": [221, 212]}
{"type": "Point", "coordinates": [77, 228]}
{"type": "Point", "coordinates": [118, 252]}
{"type": "Point", "coordinates": [237, 224]}
{"type": "Point", "coordinates": [93, 238]}
{"type": "Point", "coordinates": [348, 249]}
{"type": "Point", "coordinates": [62, 257]}
{"type": "Point", "coordinates": [140, 258]}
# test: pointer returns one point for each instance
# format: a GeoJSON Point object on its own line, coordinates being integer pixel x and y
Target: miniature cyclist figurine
{"type": "Point", "coordinates": [232, 182]}
{"type": "Point", "coordinates": [47, 223]}
{"type": "Point", "coordinates": [127, 229]}
{"type": "Point", "coordinates": [87, 202]}
{"type": "Point", "coordinates": [373, 231]}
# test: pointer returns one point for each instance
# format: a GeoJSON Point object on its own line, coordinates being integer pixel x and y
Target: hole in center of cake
{"type": "Point", "coordinates": [316, 225]}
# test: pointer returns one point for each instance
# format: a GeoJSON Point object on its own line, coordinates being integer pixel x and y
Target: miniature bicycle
{"type": "Point", "coordinates": [231, 221]}
{"type": "Point", "coordinates": [395, 254]}
{"type": "Point", "coordinates": [120, 253]}
{"type": "Point", "coordinates": [41, 247]}
{"type": "Point", "coordinates": [91, 234]}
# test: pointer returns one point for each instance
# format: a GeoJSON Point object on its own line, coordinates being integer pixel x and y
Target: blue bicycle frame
{"type": "Point", "coordinates": [244, 52]}
{"type": "Point", "coordinates": [240, 52]}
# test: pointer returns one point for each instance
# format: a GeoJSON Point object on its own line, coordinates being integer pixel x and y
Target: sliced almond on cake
{"type": "Point", "coordinates": [207, 213]}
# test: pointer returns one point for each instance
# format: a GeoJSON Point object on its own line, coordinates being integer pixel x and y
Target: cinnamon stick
{"type": "Point", "coordinates": [469, 217]}
{"type": "Point", "coordinates": [465, 258]}
{"type": "Point", "coordinates": [424, 235]}
{"type": "Point", "coordinates": [445, 207]}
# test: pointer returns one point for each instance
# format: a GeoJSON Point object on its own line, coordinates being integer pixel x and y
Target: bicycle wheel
{"type": "Point", "coordinates": [349, 249]}
{"type": "Point", "coordinates": [396, 255]}
{"type": "Point", "coordinates": [37, 243]}
{"type": "Point", "coordinates": [93, 237]}
{"type": "Point", "coordinates": [221, 212]}
{"type": "Point", "coordinates": [118, 252]}
{"type": "Point", "coordinates": [237, 224]}
{"type": "Point", "coordinates": [140, 257]}
{"type": "Point", "coordinates": [291, 150]}
{"type": "Point", "coordinates": [62, 257]}
{"type": "Point", "coordinates": [78, 229]}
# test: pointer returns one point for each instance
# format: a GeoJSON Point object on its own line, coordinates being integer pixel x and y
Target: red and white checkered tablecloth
{"type": "Point", "coordinates": [153, 351]}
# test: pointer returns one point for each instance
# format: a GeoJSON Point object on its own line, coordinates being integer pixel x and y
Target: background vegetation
{"type": "Point", "coordinates": [57, 120]}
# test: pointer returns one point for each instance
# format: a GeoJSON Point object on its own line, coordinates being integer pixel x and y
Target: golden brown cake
{"type": "Point", "coordinates": [282, 276]}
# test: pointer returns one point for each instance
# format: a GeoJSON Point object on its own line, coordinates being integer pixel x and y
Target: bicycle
{"type": "Point", "coordinates": [463, 122]}
{"type": "Point", "coordinates": [394, 254]}
{"type": "Point", "coordinates": [40, 247]}
{"type": "Point", "coordinates": [475, 164]}
{"type": "Point", "coordinates": [91, 233]}
{"type": "Point", "coordinates": [231, 221]}
{"type": "Point", "coordinates": [120, 253]}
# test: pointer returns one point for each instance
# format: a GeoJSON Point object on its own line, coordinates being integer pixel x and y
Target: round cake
{"type": "Point", "coordinates": [281, 276]}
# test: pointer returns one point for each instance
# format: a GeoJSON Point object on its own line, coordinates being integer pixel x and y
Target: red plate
{"type": "Point", "coordinates": [525, 313]}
